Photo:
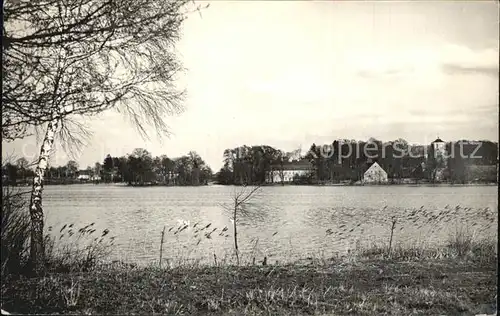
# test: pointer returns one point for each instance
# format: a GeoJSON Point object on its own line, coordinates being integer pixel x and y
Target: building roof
{"type": "Point", "coordinates": [294, 165]}
{"type": "Point", "coordinates": [373, 166]}
{"type": "Point", "coordinates": [438, 140]}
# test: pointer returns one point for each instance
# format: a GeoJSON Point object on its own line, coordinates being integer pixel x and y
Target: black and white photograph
{"type": "Point", "coordinates": [187, 157]}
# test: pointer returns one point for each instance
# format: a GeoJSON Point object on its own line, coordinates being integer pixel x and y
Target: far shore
{"type": "Point", "coordinates": [421, 184]}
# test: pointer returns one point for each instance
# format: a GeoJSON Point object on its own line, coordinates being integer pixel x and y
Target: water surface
{"type": "Point", "coordinates": [282, 223]}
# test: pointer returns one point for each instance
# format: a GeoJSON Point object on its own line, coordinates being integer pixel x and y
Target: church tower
{"type": "Point", "coordinates": [438, 149]}
{"type": "Point", "coordinates": [438, 159]}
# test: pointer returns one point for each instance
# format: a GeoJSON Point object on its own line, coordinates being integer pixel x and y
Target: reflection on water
{"type": "Point", "coordinates": [281, 222]}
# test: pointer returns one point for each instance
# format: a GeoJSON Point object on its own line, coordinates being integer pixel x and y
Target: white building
{"type": "Point", "coordinates": [84, 177]}
{"type": "Point", "coordinates": [288, 171]}
{"type": "Point", "coordinates": [375, 175]}
{"type": "Point", "coordinates": [439, 149]}
{"type": "Point", "coordinates": [439, 159]}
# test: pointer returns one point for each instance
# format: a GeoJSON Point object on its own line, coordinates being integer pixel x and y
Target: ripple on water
{"type": "Point", "coordinates": [300, 215]}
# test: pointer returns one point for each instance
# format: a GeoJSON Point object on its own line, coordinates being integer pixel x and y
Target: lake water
{"type": "Point", "coordinates": [282, 223]}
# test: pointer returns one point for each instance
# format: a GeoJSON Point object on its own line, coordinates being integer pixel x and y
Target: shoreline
{"type": "Point", "coordinates": [424, 184]}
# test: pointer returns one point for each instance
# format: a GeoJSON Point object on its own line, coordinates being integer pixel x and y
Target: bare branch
{"type": "Point", "coordinates": [72, 57]}
{"type": "Point", "coordinates": [244, 196]}
{"type": "Point", "coordinates": [74, 136]}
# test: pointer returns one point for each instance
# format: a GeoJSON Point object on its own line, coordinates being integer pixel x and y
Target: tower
{"type": "Point", "coordinates": [438, 159]}
{"type": "Point", "coordinates": [439, 149]}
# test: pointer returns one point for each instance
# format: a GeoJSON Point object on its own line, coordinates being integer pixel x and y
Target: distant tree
{"type": "Point", "coordinates": [61, 171]}
{"type": "Point", "coordinates": [282, 159]}
{"type": "Point", "coordinates": [89, 171]}
{"type": "Point", "coordinates": [196, 164]}
{"type": "Point", "coordinates": [124, 170]}
{"type": "Point", "coordinates": [401, 147]}
{"type": "Point", "coordinates": [240, 160]}
{"type": "Point", "coordinates": [433, 166]}
{"type": "Point", "coordinates": [107, 168]}
{"type": "Point", "coordinates": [22, 163]}
{"type": "Point", "coordinates": [314, 156]}
{"type": "Point", "coordinates": [141, 166]}
{"type": "Point", "coordinates": [11, 171]}
{"type": "Point", "coordinates": [246, 165]}
{"type": "Point", "coordinates": [183, 170]}
{"type": "Point", "coordinates": [52, 172]}
{"type": "Point", "coordinates": [97, 170]}
{"type": "Point", "coordinates": [417, 173]}
{"type": "Point", "coordinates": [250, 164]}
{"type": "Point", "coordinates": [206, 174]}
{"type": "Point", "coordinates": [168, 168]}
{"type": "Point", "coordinates": [108, 163]}
{"type": "Point", "coordinates": [72, 168]}
{"type": "Point", "coordinates": [224, 176]}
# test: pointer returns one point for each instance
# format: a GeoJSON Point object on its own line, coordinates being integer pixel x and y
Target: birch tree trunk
{"type": "Point", "coordinates": [37, 249]}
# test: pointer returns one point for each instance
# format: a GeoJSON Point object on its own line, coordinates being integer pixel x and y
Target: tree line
{"type": "Point", "coordinates": [140, 168]}
{"type": "Point", "coordinates": [137, 168]}
{"type": "Point", "coordinates": [250, 164]}
{"type": "Point", "coordinates": [340, 161]}
{"type": "Point", "coordinates": [348, 160]}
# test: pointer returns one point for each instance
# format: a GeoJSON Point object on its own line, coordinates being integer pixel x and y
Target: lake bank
{"type": "Point", "coordinates": [359, 286]}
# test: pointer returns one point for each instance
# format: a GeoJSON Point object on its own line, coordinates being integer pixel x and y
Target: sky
{"type": "Point", "coordinates": [288, 74]}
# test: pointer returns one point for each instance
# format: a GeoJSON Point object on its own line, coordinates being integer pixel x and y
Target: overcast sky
{"type": "Point", "coordinates": [288, 74]}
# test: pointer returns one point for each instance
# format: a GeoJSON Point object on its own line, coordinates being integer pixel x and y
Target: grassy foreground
{"type": "Point", "coordinates": [341, 287]}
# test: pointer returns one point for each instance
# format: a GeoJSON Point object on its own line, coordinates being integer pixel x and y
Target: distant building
{"type": "Point", "coordinates": [438, 149]}
{"type": "Point", "coordinates": [288, 171]}
{"type": "Point", "coordinates": [437, 159]}
{"type": "Point", "coordinates": [375, 175]}
{"type": "Point", "coordinates": [83, 177]}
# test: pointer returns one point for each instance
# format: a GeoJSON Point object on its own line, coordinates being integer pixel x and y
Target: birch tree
{"type": "Point", "coordinates": [67, 58]}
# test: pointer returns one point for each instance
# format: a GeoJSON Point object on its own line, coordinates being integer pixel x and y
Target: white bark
{"type": "Point", "coordinates": [37, 250]}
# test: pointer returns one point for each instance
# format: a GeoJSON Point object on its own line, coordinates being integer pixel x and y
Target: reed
{"type": "Point", "coordinates": [413, 223]}
{"type": "Point", "coordinates": [15, 231]}
{"type": "Point", "coordinates": [161, 245]}
{"type": "Point", "coordinates": [77, 249]}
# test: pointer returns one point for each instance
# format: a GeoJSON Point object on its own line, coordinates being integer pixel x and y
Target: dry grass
{"type": "Point", "coordinates": [483, 251]}
{"type": "Point", "coordinates": [363, 287]}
